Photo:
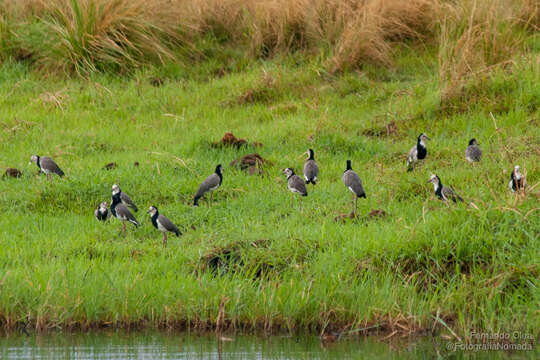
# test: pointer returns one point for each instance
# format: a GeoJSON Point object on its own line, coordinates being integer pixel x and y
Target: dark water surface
{"type": "Point", "coordinates": [166, 345]}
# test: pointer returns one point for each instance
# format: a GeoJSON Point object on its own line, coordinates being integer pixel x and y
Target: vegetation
{"type": "Point", "coordinates": [358, 87]}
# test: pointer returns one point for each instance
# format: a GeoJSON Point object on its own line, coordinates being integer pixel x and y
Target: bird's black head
{"type": "Point", "coordinates": [473, 142]}
{"type": "Point", "coordinates": [311, 154]}
{"type": "Point", "coordinates": [219, 169]}
{"type": "Point", "coordinates": [349, 167]}
{"type": "Point", "coordinates": [422, 137]}
{"type": "Point", "coordinates": [152, 210]}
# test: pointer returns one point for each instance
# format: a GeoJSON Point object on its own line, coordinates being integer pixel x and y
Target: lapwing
{"type": "Point", "coordinates": [517, 180]}
{"type": "Point", "coordinates": [354, 184]}
{"type": "Point", "coordinates": [102, 212]}
{"type": "Point", "coordinates": [162, 223]}
{"type": "Point", "coordinates": [443, 192]}
{"type": "Point", "coordinates": [210, 184]}
{"type": "Point", "coordinates": [418, 152]}
{"type": "Point", "coordinates": [126, 200]}
{"type": "Point", "coordinates": [473, 152]}
{"type": "Point", "coordinates": [46, 165]}
{"type": "Point", "coordinates": [121, 211]}
{"type": "Point", "coordinates": [295, 183]}
{"type": "Point", "coordinates": [311, 169]}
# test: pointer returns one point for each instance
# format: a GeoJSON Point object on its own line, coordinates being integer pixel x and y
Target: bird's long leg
{"type": "Point", "coordinates": [211, 195]}
{"type": "Point", "coordinates": [124, 223]}
{"type": "Point", "coordinates": [356, 204]}
{"type": "Point", "coordinates": [352, 203]}
{"type": "Point", "coordinates": [49, 177]}
{"type": "Point", "coordinates": [165, 239]}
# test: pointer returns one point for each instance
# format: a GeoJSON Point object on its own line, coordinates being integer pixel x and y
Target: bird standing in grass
{"type": "Point", "coordinates": [102, 212]}
{"type": "Point", "coordinates": [295, 182]}
{"type": "Point", "coordinates": [121, 211]}
{"type": "Point", "coordinates": [124, 198]}
{"type": "Point", "coordinates": [311, 169]}
{"type": "Point", "coordinates": [473, 152]}
{"type": "Point", "coordinates": [210, 184]}
{"type": "Point", "coordinates": [443, 192]}
{"type": "Point", "coordinates": [46, 165]}
{"type": "Point", "coordinates": [162, 223]}
{"type": "Point", "coordinates": [354, 184]}
{"type": "Point", "coordinates": [517, 180]}
{"type": "Point", "coordinates": [418, 152]}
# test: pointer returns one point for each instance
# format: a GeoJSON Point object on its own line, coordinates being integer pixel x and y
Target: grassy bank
{"type": "Point", "coordinates": [254, 259]}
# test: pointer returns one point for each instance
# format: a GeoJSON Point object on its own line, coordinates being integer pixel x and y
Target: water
{"type": "Point", "coordinates": [164, 345]}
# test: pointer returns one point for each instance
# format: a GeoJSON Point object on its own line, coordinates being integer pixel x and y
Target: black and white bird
{"type": "Point", "coordinates": [102, 212]}
{"type": "Point", "coordinates": [210, 184]}
{"type": "Point", "coordinates": [162, 223]}
{"type": "Point", "coordinates": [46, 165]}
{"type": "Point", "coordinates": [473, 152]}
{"type": "Point", "coordinates": [124, 198]}
{"type": "Point", "coordinates": [354, 184]}
{"type": "Point", "coordinates": [443, 192]}
{"type": "Point", "coordinates": [295, 182]}
{"type": "Point", "coordinates": [311, 169]}
{"type": "Point", "coordinates": [517, 180]}
{"type": "Point", "coordinates": [417, 152]}
{"type": "Point", "coordinates": [121, 211]}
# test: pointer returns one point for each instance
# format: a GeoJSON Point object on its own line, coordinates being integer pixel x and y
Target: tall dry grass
{"type": "Point", "coordinates": [89, 35]}
{"type": "Point", "coordinates": [475, 36]}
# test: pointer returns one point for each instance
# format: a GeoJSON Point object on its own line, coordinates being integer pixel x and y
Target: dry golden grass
{"type": "Point", "coordinates": [476, 36]}
{"type": "Point", "coordinates": [88, 35]}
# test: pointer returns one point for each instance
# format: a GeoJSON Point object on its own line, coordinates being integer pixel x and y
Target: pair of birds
{"type": "Point", "coordinates": [473, 153]}
{"type": "Point", "coordinates": [120, 205]}
{"type": "Point", "coordinates": [311, 171]}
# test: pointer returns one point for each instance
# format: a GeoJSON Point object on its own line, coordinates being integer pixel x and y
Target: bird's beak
{"type": "Point", "coordinates": [427, 137]}
{"type": "Point", "coordinates": [302, 154]}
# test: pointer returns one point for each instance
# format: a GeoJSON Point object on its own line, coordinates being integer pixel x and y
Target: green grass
{"type": "Point", "coordinates": [477, 269]}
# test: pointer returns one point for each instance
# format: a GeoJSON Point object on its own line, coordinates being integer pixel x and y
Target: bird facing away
{"type": "Point", "coordinates": [210, 184]}
{"type": "Point", "coordinates": [102, 212]}
{"type": "Point", "coordinates": [444, 193]}
{"type": "Point", "coordinates": [517, 180]}
{"type": "Point", "coordinates": [294, 182]}
{"type": "Point", "coordinates": [162, 223]}
{"type": "Point", "coordinates": [354, 184]}
{"type": "Point", "coordinates": [473, 152]}
{"type": "Point", "coordinates": [121, 211]}
{"type": "Point", "coordinates": [311, 169]}
{"type": "Point", "coordinates": [46, 165]}
{"type": "Point", "coordinates": [124, 198]}
{"type": "Point", "coordinates": [418, 152]}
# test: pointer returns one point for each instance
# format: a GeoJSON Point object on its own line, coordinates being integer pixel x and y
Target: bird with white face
{"type": "Point", "coordinates": [46, 165]}
{"type": "Point", "coordinates": [417, 152]}
{"type": "Point", "coordinates": [121, 211]}
{"type": "Point", "coordinates": [102, 212]}
{"type": "Point", "coordinates": [517, 180]}
{"type": "Point", "coordinates": [162, 223]}
{"type": "Point", "coordinates": [443, 192]}
{"type": "Point", "coordinates": [295, 184]}
{"type": "Point", "coordinates": [124, 198]}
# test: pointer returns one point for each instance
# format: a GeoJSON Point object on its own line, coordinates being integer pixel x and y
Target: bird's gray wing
{"type": "Point", "coordinates": [296, 183]}
{"type": "Point", "coordinates": [48, 164]}
{"type": "Point", "coordinates": [168, 224]}
{"type": "Point", "coordinates": [413, 153]}
{"type": "Point", "coordinates": [311, 170]}
{"type": "Point", "coordinates": [474, 153]}
{"type": "Point", "coordinates": [210, 183]}
{"type": "Point", "coordinates": [352, 181]}
{"type": "Point", "coordinates": [127, 200]}
{"type": "Point", "coordinates": [450, 194]}
{"type": "Point", "coordinates": [123, 212]}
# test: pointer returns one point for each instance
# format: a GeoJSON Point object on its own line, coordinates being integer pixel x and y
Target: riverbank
{"type": "Point", "coordinates": [255, 259]}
